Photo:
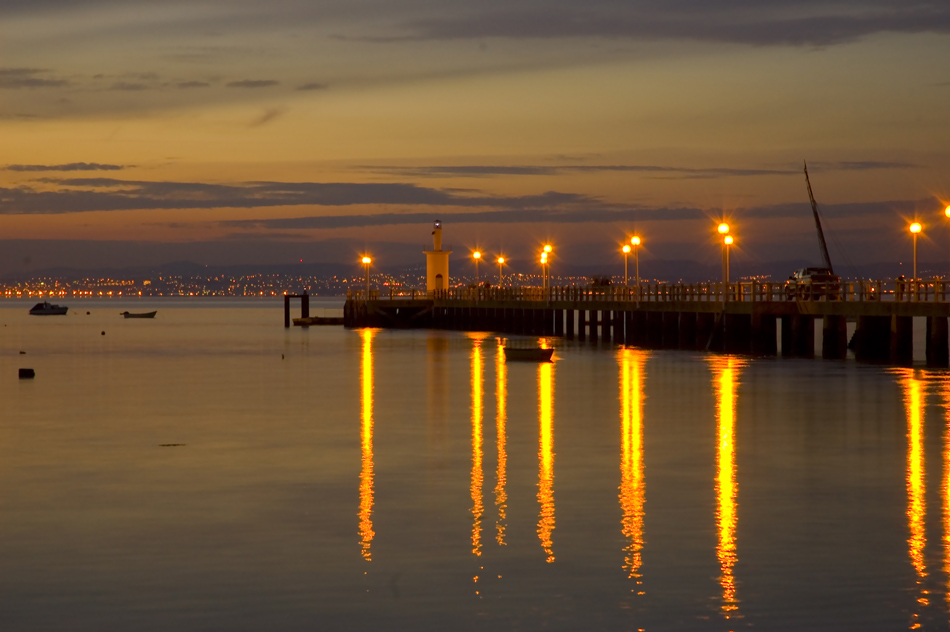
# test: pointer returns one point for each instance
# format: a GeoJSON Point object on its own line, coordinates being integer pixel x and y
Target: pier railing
{"type": "Point", "coordinates": [899, 290]}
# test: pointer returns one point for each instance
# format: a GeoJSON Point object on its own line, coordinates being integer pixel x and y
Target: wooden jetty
{"type": "Point", "coordinates": [741, 317]}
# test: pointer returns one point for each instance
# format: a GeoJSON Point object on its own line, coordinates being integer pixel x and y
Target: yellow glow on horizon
{"type": "Point", "coordinates": [726, 372]}
{"type": "Point", "coordinates": [632, 489]}
{"type": "Point", "coordinates": [546, 457]}
{"type": "Point", "coordinates": [501, 473]}
{"type": "Point", "coordinates": [366, 445]}
{"type": "Point", "coordinates": [478, 475]}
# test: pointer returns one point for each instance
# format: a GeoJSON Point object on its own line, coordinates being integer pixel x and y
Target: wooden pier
{"type": "Point", "coordinates": [734, 318]}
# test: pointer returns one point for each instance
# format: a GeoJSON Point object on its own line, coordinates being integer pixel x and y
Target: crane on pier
{"type": "Point", "coordinates": [812, 283]}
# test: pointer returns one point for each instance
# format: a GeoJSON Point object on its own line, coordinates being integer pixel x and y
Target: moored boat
{"type": "Point", "coordinates": [318, 320]}
{"type": "Point", "coordinates": [141, 315]}
{"type": "Point", "coordinates": [48, 309]}
{"type": "Point", "coordinates": [528, 355]}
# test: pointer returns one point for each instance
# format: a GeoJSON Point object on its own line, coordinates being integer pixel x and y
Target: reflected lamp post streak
{"type": "Point", "coordinates": [945, 488]}
{"type": "Point", "coordinates": [726, 370]}
{"type": "Point", "coordinates": [632, 489]}
{"type": "Point", "coordinates": [916, 486]}
{"type": "Point", "coordinates": [478, 476]}
{"type": "Point", "coordinates": [366, 445]}
{"type": "Point", "coordinates": [946, 212]}
{"type": "Point", "coordinates": [546, 457]}
{"type": "Point", "coordinates": [501, 474]}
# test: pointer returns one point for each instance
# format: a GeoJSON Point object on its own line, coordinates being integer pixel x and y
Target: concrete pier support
{"type": "Point", "coordinates": [937, 351]}
{"type": "Point", "coordinates": [705, 330]}
{"type": "Point", "coordinates": [582, 324]}
{"type": "Point", "coordinates": [834, 337]}
{"type": "Point", "coordinates": [872, 338]}
{"type": "Point", "coordinates": [687, 331]}
{"type": "Point", "coordinates": [605, 326]}
{"type": "Point", "coordinates": [798, 336]}
{"type": "Point", "coordinates": [902, 340]}
{"type": "Point", "coordinates": [737, 333]}
{"type": "Point", "coordinates": [654, 330]}
{"type": "Point", "coordinates": [763, 334]}
{"type": "Point", "coordinates": [570, 325]}
{"type": "Point", "coordinates": [671, 330]}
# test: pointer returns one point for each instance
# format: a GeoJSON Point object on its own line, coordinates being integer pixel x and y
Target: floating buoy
{"type": "Point", "coordinates": [27, 374]}
{"type": "Point", "coordinates": [103, 334]}
{"type": "Point", "coordinates": [23, 353]}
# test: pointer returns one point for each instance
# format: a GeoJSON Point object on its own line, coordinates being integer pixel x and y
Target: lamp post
{"type": "Point", "coordinates": [477, 256]}
{"type": "Point", "coordinates": [501, 264]}
{"type": "Point", "coordinates": [636, 262]}
{"type": "Point", "coordinates": [726, 242]}
{"type": "Point", "coordinates": [724, 230]}
{"type": "Point", "coordinates": [366, 262]}
{"type": "Point", "coordinates": [544, 265]}
{"type": "Point", "coordinates": [946, 212]}
{"type": "Point", "coordinates": [915, 230]}
{"type": "Point", "coordinates": [626, 254]}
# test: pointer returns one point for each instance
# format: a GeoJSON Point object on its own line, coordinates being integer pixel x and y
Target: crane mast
{"type": "Point", "coordinates": [821, 234]}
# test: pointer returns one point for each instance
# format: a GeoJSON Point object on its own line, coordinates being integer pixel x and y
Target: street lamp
{"type": "Point", "coordinates": [636, 262]}
{"type": "Point", "coordinates": [726, 242]}
{"type": "Point", "coordinates": [366, 262]}
{"type": "Point", "coordinates": [946, 211]}
{"type": "Point", "coordinates": [477, 256]}
{"type": "Point", "coordinates": [915, 230]}
{"type": "Point", "coordinates": [501, 264]}
{"type": "Point", "coordinates": [544, 264]}
{"type": "Point", "coordinates": [626, 254]}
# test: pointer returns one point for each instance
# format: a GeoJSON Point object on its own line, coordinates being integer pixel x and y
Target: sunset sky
{"type": "Point", "coordinates": [243, 131]}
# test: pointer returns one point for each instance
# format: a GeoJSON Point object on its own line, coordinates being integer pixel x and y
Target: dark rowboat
{"type": "Point", "coordinates": [528, 355]}
{"type": "Point", "coordinates": [318, 320]}
{"type": "Point", "coordinates": [142, 315]}
{"type": "Point", "coordinates": [48, 309]}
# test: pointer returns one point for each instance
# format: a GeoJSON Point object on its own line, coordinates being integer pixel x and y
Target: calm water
{"type": "Point", "coordinates": [210, 470]}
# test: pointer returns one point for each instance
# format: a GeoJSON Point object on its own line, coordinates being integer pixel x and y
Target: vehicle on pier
{"type": "Point", "coordinates": [809, 284]}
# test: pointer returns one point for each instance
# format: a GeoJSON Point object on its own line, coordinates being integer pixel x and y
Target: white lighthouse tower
{"type": "Point", "coordinates": [437, 261]}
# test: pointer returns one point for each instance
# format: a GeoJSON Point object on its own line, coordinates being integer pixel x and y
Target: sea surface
{"type": "Point", "coordinates": [211, 470]}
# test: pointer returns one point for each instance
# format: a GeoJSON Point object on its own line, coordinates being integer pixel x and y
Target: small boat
{"type": "Point", "coordinates": [318, 320]}
{"type": "Point", "coordinates": [48, 309]}
{"type": "Point", "coordinates": [142, 315]}
{"type": "Point", "coordinates": [528, 355]}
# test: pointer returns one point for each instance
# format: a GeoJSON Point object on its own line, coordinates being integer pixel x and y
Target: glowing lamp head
{"type": "Point", "coordinates": [915, 228]}
{"type": "Point", "coordinates": [635, 241]}
{"type": "Point", "coordinates": [544, 258]}
{"type": "Point", "coordinates": [547, 249]}
{"type": "Point", "coordinates": [728, 240]}
{"type": "Point", "coordinates": [477, 255]}
{"type": "Point", "coordinates": [501, 259]}
{"type": "Point", "coordinates": [367, 260]}
{"type": "Point", "coordinates": [946, 211]}
{"type": "Point", "coordinates": [626, 249]}
{"type": "Point", "coordinates": [723, 228]}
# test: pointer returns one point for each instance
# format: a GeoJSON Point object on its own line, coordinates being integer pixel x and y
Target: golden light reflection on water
{"type": "Point", "coordinates": [916, 486]}
{"type": "Point", "coordinates": [945, 488]}
{"type": "Point", "coordinates": [546, 456]}
{"type": "Point", "coordinates": [478, 476]}
{"type": "Point", "coordinates": [366, 444]}
{"type": "Point", "coordinates": [726, 372]}
{"type": "Point", "coordinates": [501, 474]}
{"type": "Point", "coordinates": [632, 490]}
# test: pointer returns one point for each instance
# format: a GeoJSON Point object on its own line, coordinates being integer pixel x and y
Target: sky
{"type": "Point", "coordinates": [240, 131]}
